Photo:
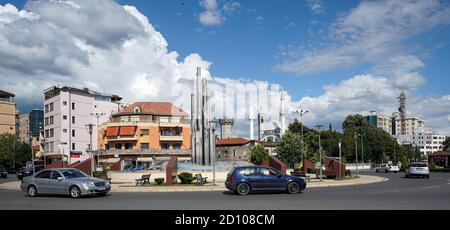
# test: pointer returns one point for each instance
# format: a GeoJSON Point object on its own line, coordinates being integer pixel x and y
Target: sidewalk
{"type": "Point", "coordinates": [129, 187]}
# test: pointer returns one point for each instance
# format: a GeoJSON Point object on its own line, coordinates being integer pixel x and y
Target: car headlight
{"type": "Point", "coordinates": [88, 185]}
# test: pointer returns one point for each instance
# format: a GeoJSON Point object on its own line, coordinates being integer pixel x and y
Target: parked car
{"type": "Point", "coordinates": [246, 179]}
{"type": "Point", "coordinates": [3, 172]}
{"type": "Point", "coordinates": [418, 169]}
{"type": "Point", "coordinates": [24, 172]}
{"type": "Point", "coordinates": [64, 181]}
{"type": "Point", "coordinates": [387, 168]}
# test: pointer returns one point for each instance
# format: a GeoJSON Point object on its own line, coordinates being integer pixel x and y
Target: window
{"type": "Point", "coordinates": [128, 146]}
{"type": "Point", "coordinates": [73, 146]}
{"type": "Point", "coordinates": [106, 146]}
{"type": "Point", "coordinates": [118, 146]}
{"type": "Point", "coordinates": [136, 110]}
{"type": "Point", "coordinates": [134, 118]}
{"type": "Point", "coordinates": [44, 174]}
{"type": "Point", "coordinates": [73, 119]}
{"type": "Point", "coordinates": [51, 133]}
{"type": "Point", "coordinates": [73, 105]}
{"type": "Point", "coordinates": [64, 103]}
{"type": "Point", "coordinates": [55, 175]}
{"type": "Point", "coordinates": [124, 119]}
{"type": "Point", "coordinates": [50, 120]}
{"type": "Point", "coordinates": [176, 146]}
{"type": "Point", "coordinates": [249, 172]}
{"type": "Point", "coordinates": [144, 132]}
{"type": "Point", "coordinates": [51, 107]}
{"type": "Point", "coordinates": [46, 121]}
{"type": "Point", "coordinates": [64, 130]}
{"type": "Point", "coordinates": [73, 132]}
{"type": "Point", "coordinates": [145, 146]}
{"type": "Point", "coordinates": [164, 146]}
{"type": "Point", "coordinates": [47, 133]}
{"type": "Point", "coordinates": [64, 117]}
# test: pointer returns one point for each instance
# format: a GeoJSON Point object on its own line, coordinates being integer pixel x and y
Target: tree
{"type": "Point", "coordinates": [289, 149]}
{"type": "Point", "coordinates": [19, 152]}
{"type": "Point", "coordinates": [258, 154]}
{"type": "Point", "coordinates": [446, 144]}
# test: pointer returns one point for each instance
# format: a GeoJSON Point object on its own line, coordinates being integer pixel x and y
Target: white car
{"type": "Point", "coordinates": [387, 168]}
{"type": "Point", "coordinates": [418, 169]}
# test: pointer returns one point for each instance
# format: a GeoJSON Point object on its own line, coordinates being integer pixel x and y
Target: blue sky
{"type": "Point", "coordinates": [271, 40]}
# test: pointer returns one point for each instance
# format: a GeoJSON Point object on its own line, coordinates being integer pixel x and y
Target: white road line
{"type": "Point", "coordinates": [431, 187]}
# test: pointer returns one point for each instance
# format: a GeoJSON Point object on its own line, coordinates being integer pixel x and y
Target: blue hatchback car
{"type": "Point", "coordinates": [245, 179]}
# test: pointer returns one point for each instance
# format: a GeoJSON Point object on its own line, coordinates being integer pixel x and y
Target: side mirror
{"type": "Point", "coordinates": [59, 178]}
{"type": "Point", "coordinates": [279, 175]}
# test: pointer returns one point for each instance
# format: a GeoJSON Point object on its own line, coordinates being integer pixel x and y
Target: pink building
{"type": "Point", "coordinates": [67, 113]}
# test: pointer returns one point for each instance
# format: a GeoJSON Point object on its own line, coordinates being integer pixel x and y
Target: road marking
{"type": "Point", "coordinates": [431, 187]}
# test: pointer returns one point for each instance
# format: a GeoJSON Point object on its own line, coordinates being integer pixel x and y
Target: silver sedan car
{"type": "Point", "coordinates": [64, 181]}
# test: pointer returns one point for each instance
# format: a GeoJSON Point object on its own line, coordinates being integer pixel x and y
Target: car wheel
{"type": "Point", "coordinates": [428, 176]}
{"type": "Point", "coordinates": [32, 191]}
{"type": "Point", "coordinates": [293, 188]}
{"type": "Point", "coordinates": [243, 189]}
{"type": "Point", "coordinates": [377, 171]}
{"type": "Point", "coordinates": [75, 192]}
{"type": "Point", "coordinates": [386, 171]}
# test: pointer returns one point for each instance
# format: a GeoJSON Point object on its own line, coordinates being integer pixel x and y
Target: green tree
{"type": "Point", "coordinates": [289, 149]}
{"type": "Point", "coordinates": [258, 154]}
{"type": "Point", "coordinates": [12, 149]}
{"type": "Point", "coordinates": [446, 144]}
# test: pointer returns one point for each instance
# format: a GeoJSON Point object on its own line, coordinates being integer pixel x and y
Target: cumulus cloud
{"type": "Point", "coordinates": [316, 6]}
{"type": "Point", "coordinates": [213, 13]}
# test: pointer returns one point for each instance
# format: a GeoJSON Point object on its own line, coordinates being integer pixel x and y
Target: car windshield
{"type": "Point", "coordinates": [71, 173]}
{"type": "Point", "coordinates": [419, 165]}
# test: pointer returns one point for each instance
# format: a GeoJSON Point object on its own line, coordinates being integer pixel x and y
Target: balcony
{"type": "Point", "coordinates": [122, 138]}
{"type": "Point", "coordinates": [171, 138]}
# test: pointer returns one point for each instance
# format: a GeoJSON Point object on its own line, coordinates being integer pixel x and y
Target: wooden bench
{"type": "Point", "coordinates": [299, 173]}
{"type": "Point", "coordinates": [200, 179]}
{"type": "Point", "coordinates": [144, 179]}
{"type": "Point", "coordinates": [328, 174]}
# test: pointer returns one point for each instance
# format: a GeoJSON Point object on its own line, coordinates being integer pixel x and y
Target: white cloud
{"type": "Point", "coordinates": [369, 33]}
{"type": "Point", "coordinates": [214, 12]}
{"type": "Point", "coordinates": [316, 6]}
{"type": "Point", "coordinates": [259, 20]}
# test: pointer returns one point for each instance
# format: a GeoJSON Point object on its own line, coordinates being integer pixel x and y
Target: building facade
{"type": "Point", "coordinates": [7, 113]}
{"type": "Point", "coordinates": [31, 125]}
{"type": "Point", "coordinates": [428, 141]}
{"type": "Point", "coordinates": [379, 121]}
{"type": "Point", "coordinates": [234, 149]}
{"type": "Point", "coordinates": [67, 113]}
{"type": "Point", "coordinates": [144, 132]}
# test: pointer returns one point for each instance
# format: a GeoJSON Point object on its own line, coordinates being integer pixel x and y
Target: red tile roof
{"type": "Point", "coordinates": [112, 131]}
{"type": "Point", "coordinates": [232, 141]}
{"type": "Point", "coordinates": [153, 108]}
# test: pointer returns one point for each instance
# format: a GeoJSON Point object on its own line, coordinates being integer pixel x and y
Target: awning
{"type": "Point", "coordinates": [110, 160]}
{"type": "Point", "coordinates": [112, 131]}
{"type": "Point", "coordinates": [127, 130]}
{"type": "Point", "coordinates": [144, 159]}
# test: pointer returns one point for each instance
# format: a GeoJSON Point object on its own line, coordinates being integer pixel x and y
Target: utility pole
{"type": "Point", "coordinates": [302, 112]}
{"type": "Point", "coordinates": [362, 147]}
{"type": "Point", "coordinates": [320, 151]}
{"type": "Point", "coordinates": [212, 125]}
{"type": "Point", "coordinates": [356, 152]}
{"type": "Point", "coordinates": [97, 115]}
{"type": "Point", "coordinates": [89, 126]}
{"type": "Point", "coordinates": [32, 153]}
{"type": "Point", "coordinates": [340, 159]}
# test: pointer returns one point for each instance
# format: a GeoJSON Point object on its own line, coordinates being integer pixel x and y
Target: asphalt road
{"type": "Point", "coordinates": [396, 194]}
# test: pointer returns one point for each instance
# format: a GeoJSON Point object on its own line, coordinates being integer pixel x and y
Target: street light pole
{"type": "Point", "coordinates": [362, 147]}
{"type": "Point", "coordinates": [90, 148]}
{"type": "Point", "coordinates": [320, 151]}
{"type": "Point", "coordinates": [302, 112]}
{"type": "Point", "coordinates": [213, 147]}
{"type": "Point", "coordinates": [340, 159]}
{"type": "Point", "coordinates": [97, 115]}
{"type": "Point", "coordinates": [356, 152]}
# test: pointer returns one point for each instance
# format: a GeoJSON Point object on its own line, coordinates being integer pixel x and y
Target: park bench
{"type": "Point", "coordinates": [200, 179]}
{"type": "Point", "coordinates": [144, 179]}
{"type": "Point", "coordinates": [299, 173]}
{"type": "Point", "coordinates": [327, 174]}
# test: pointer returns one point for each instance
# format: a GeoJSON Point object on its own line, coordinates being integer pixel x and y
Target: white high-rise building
{"type": "Point", "coordinates": [67, 112]}
{"type": "Point", "coordinates": [428, 141]}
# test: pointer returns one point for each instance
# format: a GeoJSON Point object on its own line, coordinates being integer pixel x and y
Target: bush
{"type": "Point", "coordinates": [159, 181]}
{"type": "Point", "coordinates": [186, 178]}
{"type": "Point", "coordinates": [312, 171]}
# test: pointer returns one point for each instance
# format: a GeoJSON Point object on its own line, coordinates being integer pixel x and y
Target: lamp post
{"type": "Point", "coordinates": [356, 152]}
{"type": "Point", "coordinates": [362, 135]}
{"type": "Point", "coordinates": [89, 126]}
{"type": "Point", "coordinates": [97, 115]}
{"type": "Point", "coordinates": [320, 151]}
{"type": "Point", "coordinates": [340, 158]}
{"type": "Point", "coordinates": [302, 112]}
{"type": "Point", "coordinates": [212, 126]}
{"type": "Point", "coordinates": [32, 154]}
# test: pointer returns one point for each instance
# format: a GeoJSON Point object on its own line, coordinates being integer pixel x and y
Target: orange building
{"type": "Point", "coordinates": [143, 132]}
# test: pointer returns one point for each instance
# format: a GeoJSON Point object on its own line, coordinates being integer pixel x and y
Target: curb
{"type": "Point", "coordinates": [15, 186]}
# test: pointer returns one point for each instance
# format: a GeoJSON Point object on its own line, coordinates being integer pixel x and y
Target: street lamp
{"type": "Point", "coordinates": [97, 115]}
{"type": "Point", "coordinates": [320, 151]}
{"type": "Point", "coordinates": [356, 152]}
{"type": "Point", "coordinates": [302, 112]}
{"type": "Point", "coordinates": [212, 126]}
{"type": "Point", "coordinates": [340, 158]}
{"type": "Point", "coordinates": [89, 126]}
{"type": "Point", "coordinates": [362, 135]}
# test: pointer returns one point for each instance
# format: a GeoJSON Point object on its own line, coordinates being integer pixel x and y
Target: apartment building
{"type": "Point", "coordinates": [7, 113]}
{"type": "Point", "coordinates": [428, 141]}
{"type": "Point", "coordinates": [143, 132]}
{"type": "Point", "coordinates": [30, 126]}
{"type": "Point", "coordinates": [379, 121]}
{"type": "Point", "coordinates": [67, 113]}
